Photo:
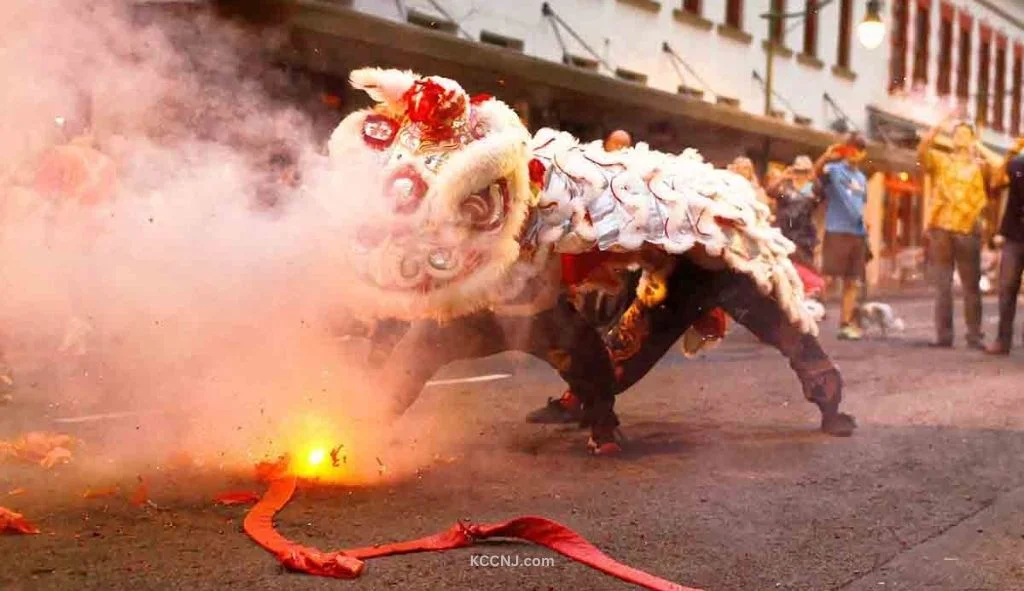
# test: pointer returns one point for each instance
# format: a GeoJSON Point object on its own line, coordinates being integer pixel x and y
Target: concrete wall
{"type": "Point", "coordinates": [630, 34]}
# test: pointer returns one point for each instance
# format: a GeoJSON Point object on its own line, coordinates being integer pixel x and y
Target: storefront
{"type": "Point", "coordinates": [901, 251]}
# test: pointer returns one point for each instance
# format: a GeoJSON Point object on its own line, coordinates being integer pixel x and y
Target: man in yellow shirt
{"type": "Point", "coordinates": [954, 224]}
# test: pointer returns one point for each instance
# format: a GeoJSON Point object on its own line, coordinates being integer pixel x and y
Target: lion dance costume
{"type": "Point", "coordinates": [465, 236]}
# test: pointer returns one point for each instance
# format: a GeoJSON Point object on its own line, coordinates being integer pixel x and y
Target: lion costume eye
{"type": "Point", "coordinates": [486, 210]}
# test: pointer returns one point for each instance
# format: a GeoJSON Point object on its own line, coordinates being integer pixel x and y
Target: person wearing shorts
{"type": "Point", "coordinates": [844, 251]}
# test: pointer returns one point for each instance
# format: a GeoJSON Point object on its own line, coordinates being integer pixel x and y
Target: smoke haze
{"type": "Point", "coordinates": [181, 292]}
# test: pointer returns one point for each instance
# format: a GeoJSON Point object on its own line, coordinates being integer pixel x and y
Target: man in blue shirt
{"type": "Point", "coordinates": [844, 252]}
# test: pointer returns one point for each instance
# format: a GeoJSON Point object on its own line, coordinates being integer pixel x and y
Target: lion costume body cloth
{"type": "Point", "coordinates": [467, 216]}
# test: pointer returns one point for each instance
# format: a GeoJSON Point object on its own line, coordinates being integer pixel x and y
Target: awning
{"type": "Point", "coordinates": [904, 132]}
{"type": "Point", "coordinates": [343, 25]}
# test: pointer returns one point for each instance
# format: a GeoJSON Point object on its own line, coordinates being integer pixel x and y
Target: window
{"type": "Point", "coordinates": [777, 27]}
{"type": "Point", "coordinates": [1015, 95]}
{"type": "Point", "coordinates": [811, 28]}
{"type": "Point", "coordinates": [945, 81]}
{"type": "Point", "coordinates": [734, 13]}
{"type": "Point", "coordinates": [692, 6]}
{"type": "Point", "coordinates": [845, 23]}
{"type": "Point", "coordinates": [999, 86]}
{"type": "Point", "coordinates": [922, 24]}
{"type": "Point", "coordinates": [898, 59]}
{"type": "Point", "coordinates": [984, 63]}
{"type": "Point", "coordinates": [963, 74]}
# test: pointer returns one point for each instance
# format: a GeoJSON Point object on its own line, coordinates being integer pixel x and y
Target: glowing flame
{"type": "Point", "coordinates": [325, 449]}
{"type": "Point", "coordinates": [312, 463]}
{"type": "Point", "coordinates": [317, 448]}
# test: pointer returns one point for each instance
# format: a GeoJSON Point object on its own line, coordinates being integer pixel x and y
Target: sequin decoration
{"type": "Point", "coordinates": [406, 188]}
{"type": "Point", "coordinates": [441, 259]}
{"type": "Point", "coordinates": [379, 131]}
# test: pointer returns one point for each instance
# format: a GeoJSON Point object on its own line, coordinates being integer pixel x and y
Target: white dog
{"type": "Point", "coordinates": [815, 309]}
{"type": "Point", "coordinates": [880, 315]}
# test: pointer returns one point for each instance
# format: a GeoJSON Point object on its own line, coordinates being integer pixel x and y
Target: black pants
{"type": "Point", "coordinates": [562, 337]}
{"type": "Point", "coordinates": [692, 292]}
{"type": "Point", "coordinates": [949, 250]}
{"type": "Point", "coordinates": [1011, 265]}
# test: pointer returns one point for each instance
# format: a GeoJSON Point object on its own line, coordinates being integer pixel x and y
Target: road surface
{"type": "Point", "coordinates": [725, 485]}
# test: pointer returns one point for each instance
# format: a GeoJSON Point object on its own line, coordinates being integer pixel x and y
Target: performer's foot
{"type": "Point", "coordinates": [603, 442]}
{"type": "Point", "coordinates": [566, 409]}
{"type": "Point", "coordinates": [825, 389]}
{"type": "Point", "coordinates": [850, 333]}
{"type": "Point", "coordinates": [838, 424]}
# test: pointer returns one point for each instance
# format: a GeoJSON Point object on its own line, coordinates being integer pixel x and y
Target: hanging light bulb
{"type": "Point", "coordinates": [871, 30]}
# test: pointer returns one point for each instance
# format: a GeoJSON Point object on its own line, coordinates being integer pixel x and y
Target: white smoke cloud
{"type": "Point", "coordinates": [191, 296]}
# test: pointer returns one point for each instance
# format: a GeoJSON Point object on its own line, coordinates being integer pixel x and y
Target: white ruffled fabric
{"type": "Point", "coordinates": [621, 200]}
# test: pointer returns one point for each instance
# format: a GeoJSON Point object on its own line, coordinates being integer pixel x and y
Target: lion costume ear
{"type": "Point", "coordinates": [384, 86]}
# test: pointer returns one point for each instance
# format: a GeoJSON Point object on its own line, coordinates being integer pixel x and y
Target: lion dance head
{"type": "Point", "coordinates": [448, 194]}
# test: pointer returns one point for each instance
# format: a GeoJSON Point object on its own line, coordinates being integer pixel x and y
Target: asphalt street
{"type": "Point", "coordinates": [725, 484]}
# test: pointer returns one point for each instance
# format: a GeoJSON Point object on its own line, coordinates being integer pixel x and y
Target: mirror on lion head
{"type": "Point", "coordinates": [449, 193]}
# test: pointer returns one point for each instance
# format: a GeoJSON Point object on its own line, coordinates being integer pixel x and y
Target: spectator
{"type": "Point", "coordinates": [953, 222]}
{"type": "Point", "coordinates": [744, 167]}
{"type": "Point", "coordinates": [844, 253]}
{"type": "Point", "coordinates": [618, 140]}
{"type": "Point", "coordinates": [796, 197]}
{"type": "Point", "coordinates": [1011, 265]}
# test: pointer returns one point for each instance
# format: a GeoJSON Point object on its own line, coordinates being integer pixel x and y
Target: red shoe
{"type": "Point", "coordinates": [603, 442]}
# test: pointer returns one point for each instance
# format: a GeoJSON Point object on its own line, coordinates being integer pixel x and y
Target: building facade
{"type": "Point", "coordinates": [937, 53]}
{"type": "Point", "coordinates": [692, 73]}
{"type": "Point", "coordinates": [965, 55]}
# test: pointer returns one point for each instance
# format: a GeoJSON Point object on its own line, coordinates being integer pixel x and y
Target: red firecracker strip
{"type": "Point", "coordinates": [15, 523]}
{"type": "Point", "coordinates": [348, 564]}
{"type": "Point", "coordinates": [237, 497]}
